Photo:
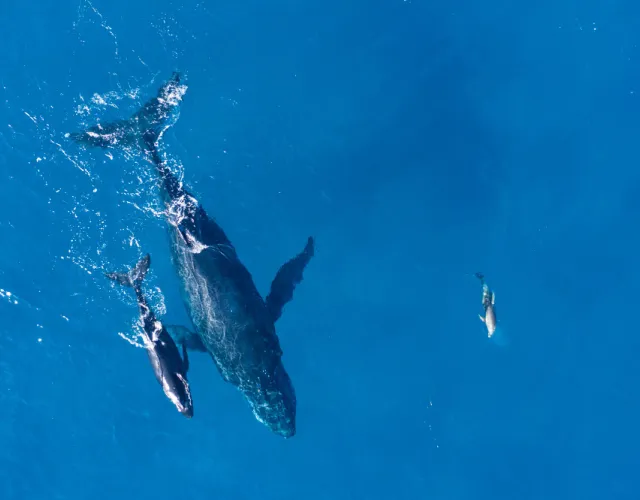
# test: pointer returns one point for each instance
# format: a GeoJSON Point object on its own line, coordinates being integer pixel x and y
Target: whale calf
{"type": "Point", "coordinates": [169, 368]}
{"type": "Point", "coordinates": [232, 322]}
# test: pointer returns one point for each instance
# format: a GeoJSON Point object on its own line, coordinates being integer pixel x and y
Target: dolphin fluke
{"type": "Point", "coordinates": [134, 277]}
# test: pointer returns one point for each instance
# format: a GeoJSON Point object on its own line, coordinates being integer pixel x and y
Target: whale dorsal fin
{"type": "Point", "coordinates": [288, 276]}
{"type": "Point", "coordinates": [186, 337]}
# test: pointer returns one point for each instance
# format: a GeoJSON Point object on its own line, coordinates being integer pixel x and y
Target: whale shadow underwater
{"type": "Point", "coordinates": [230, 319]}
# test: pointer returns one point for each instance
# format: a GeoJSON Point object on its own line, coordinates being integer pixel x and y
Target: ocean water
{"type": "Point", "coordinates": [419, 143]}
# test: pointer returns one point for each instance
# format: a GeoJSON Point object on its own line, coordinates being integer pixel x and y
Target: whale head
{"type": "Point", "coordinates": [273, 401]}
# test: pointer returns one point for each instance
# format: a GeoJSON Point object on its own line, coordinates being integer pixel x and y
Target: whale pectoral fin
{"type": "Point", "coordinates": [493, 298]}
{"type": "Point", "coordinates": [481, 318]}
{"type": "Point", "coordinates": [288, 276]}
{"type": "Point", "coordinates": [185, 358]}
{"type": "Point", "coordinates": [186, 337]}
{"type": "Point", "coordinates": [153, 117]}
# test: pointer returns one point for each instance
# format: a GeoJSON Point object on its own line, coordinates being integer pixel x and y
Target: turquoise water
{"type": "Point", "coordinates": [418, 143]}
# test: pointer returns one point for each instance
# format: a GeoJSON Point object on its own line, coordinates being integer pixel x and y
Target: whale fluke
{"type": "Point", "coordinates": [154, 116]}
{"type": "Point", "coordinates": [134, 277]}
{"type": "Point", "coordinates": [288, 276]}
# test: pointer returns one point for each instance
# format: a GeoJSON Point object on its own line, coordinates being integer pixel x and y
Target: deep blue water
{"type": "Point", "coordinates": [418, 142]}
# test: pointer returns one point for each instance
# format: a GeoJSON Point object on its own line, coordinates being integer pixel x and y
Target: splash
{"type": "Point", "coordinates": [71, 183]}
{"type": "Point", "coordinates": [10, 297]}
{"type": "Point", "coordinates": [86, 7]}
{"type": "Point", "coordinates": [100, 201]}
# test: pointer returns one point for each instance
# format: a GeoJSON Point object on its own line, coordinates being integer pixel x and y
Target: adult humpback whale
{"type": "Point", "coordinates": [233, 323]}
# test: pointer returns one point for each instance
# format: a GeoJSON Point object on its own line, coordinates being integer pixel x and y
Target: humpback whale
{"type": "Point", "coordinates": [169, 368]}
{"type": "Point", "coordinates": [232, 322]}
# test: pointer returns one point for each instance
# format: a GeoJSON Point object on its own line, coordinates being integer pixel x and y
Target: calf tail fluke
{"type": "Point", "coordinates": [134, 277]}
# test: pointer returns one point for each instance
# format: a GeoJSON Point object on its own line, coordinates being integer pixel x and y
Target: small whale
{"type": "Point", "coordinates": [232, 322]}
{"type": "Point", "coordinates": [169, 368]}
{"type": "Point", "coordinates": [488, 302]}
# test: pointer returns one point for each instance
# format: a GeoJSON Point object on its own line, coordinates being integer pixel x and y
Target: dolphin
{"type": "Point", "coordinates": [169, 368]}
{"type": "Point", "coordinates": [488, 302]}
{"type": "Point", "coordinates": [232, 322]}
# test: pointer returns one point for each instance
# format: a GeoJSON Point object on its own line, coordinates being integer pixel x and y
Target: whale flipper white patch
{"type": "Point", "coordinates": [481, 318]}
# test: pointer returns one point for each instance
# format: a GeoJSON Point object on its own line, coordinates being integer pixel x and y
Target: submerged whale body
{"type": "Point", "coordinates": [232, 322]}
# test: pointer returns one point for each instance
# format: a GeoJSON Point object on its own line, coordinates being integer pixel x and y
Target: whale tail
{"type": "Point", "coordinates": [134, 277]}
{"type": "Point", "coordinates": [154, 117]}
